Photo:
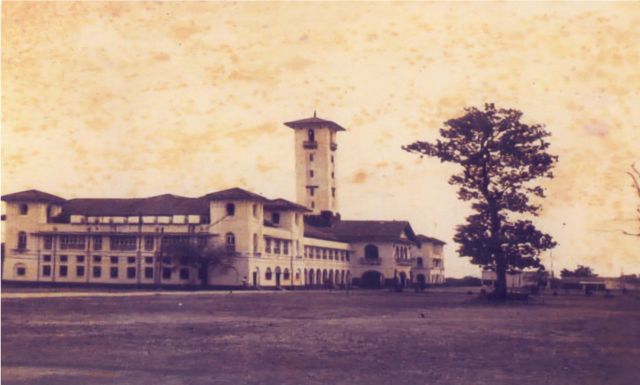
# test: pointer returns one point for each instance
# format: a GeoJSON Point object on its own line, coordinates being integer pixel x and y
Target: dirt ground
{"type": "Point", "coordinates": [368, 337]}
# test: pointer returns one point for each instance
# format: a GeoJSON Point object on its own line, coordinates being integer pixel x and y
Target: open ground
{"type": "Point", "coordinates": [366, 337]}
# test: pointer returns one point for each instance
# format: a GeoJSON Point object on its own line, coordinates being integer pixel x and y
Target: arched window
{"type": "Point", "coordinates": [267, 274]}
{"type": "Point", "coordinates": [255, 243]}
{"type": "Point", "coordinates": [24, 209]}
{"type": "Point", "coordinates": [22, 240]}
{"type": "Point", "coordinates": [311, 135]}
{"type": "Point", "coordinates": [371, 252]}
{"type": "Point", "coordinates": [231, 209]}
{"type": "Point", "coordinates": [419, 262]}
{"type": "Point", "coordinates": [285, 275]}
{"type": "Point", "coordinates": [230, 242]}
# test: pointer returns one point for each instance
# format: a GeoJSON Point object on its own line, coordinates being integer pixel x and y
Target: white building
{"type": "Point", "coordinates": [276, 243]}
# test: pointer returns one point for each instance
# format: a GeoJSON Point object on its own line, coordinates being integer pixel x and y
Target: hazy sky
{"type": "Point", "coordinates": [139, 99]}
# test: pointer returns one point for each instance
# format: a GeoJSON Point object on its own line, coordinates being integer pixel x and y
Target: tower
{"type": "Point", "coordinates": [315, 154]}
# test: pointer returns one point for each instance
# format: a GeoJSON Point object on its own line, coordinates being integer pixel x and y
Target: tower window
{"type": "Point", "coordinates": [313, 205]}
{"type": "Point", "coordinates": [331, 158]}
{"type": "Point", "coordinates": [333, 175]}
{"type": "Point", "coordinates": [310, 157]}
{"type": "Point", "coordinates": [231, 209]}
{"type": "Point", "coordinates": [22, 240]}
{"type": "Point", "coordinates": [230, 242]}
{"type": "Point", "coordinates": [311, 135]}
{"type": "Point", "coordinates": [311, 173]}
{"type": "Point", "coordinates": [24, 209]}
{"type": "Point", "coordinates": [333, 192]}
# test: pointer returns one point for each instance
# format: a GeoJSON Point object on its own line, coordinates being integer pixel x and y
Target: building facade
{"type": "Point", "coordinates": [273, 242]}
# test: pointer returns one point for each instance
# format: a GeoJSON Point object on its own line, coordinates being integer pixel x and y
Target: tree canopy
{"type": "Point", "coordinates": [201, 256]}
{"type": "Point", "coordinates": [500, 159]}
{"type": "Point", "coordinates": [580, 271]}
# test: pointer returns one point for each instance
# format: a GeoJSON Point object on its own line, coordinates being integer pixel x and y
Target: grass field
{"type": "Point", "coordinates": [320, 338]}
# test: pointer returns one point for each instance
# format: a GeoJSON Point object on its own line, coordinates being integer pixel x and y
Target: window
{"type": "Point", "coordinates": [148, 260]}
{"type": "Point", "coordinates": [371, 252]}
{"type": "Point", "coordinates": [131, 259]}
{"type": "Point", "coordinates": [276, 247]}
{"type": "Point", "coordinates": [184, 273]}
{"type": "Point", "coordinates": [97, 272]}
{"type": "Point", "coordinates": [275, 218]}
{"type": "Point", "coordinates": [123, 243]}
{"type": "Point", "coordinates": [22, 240]}
{"type": "Point", "coordinates": [80, 258]}
{"type": "Point", "coordinates": [254, 209]}
{"type": "Point", "coordinates": [148, 272]}
{"type": "Point", "coordinates": [113, 272]}
{"type": "Point", "coordinates": [131, 272]}
{"type": "Point", "coordinates": [63, 258]}
{"type": "Point", "coordinates": [267, 245]}
{"type": "Point", "coordinates": [306, 251]}
{"type": "Point", "coordinates": [312, 191]}
{"type": "Point", "coordinates": [285, 275]}
{"type": "Point", "coordinates": [324, 253]}
{"type": "Point", "coordinates": [347, 256]}
{"type": "Point", "coordinates": [72, 242]}
{"type": "Point", "coordinates": [267, 274]}
{"type": "Point", "coordinates": [313, 205]}
{"type": "Point", "coordinates": [148, 243]}
{"type": "Point", "coordinates": [79, 271]}
{"type": "Point", "coordinates": [21, 271]}
{"type": "Point", "coordinates": [419, 262]}
{"type": "Point", "coordinates": [166, 273]}
{"type": "Point", "coordinates": [330, 254]}
{"type": "Point", "coordinates": [311, 173]}
{"type": "Point", "coordinates": [46, 271]}
{"type": "Point", "coordinates": [48, 242]}
{"type": "Point", "coordinates": [310, 157]}
{"type": "Point", "coordinates": [97, 258]}
{"type": "Point", "coordinates": [311, 135]}
{"type": "Point", "coordinates": [331, 158]}
{"type": "Point", "coordinates": [333, 175]}
{"type": "Point", "coordinates": [46, 258]}
{"type": "Point", "coordinates": [333, 192]}
{"type": "Point", "coordinates": [255, 243]}
{"type": "Point", "coordinates": [231, 209]}
{"type": "Point", "coordinates": [97, 242]}
{"type": "Point", "coordinates": [285, 247]}
{"type": "Point", "coordinates": [230, 242]}
{"type": "Point", "coordinates": [63, 271]}
{"type": "Point", "coordinates": [113, 259]}
{"type": "Point", "coordinates": [24, 209]}
{"type": "Point", "coordinates": [297, 218]}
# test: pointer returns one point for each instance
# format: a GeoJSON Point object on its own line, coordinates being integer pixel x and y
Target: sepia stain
{"type": "Point", "coordinates": [359, 177]}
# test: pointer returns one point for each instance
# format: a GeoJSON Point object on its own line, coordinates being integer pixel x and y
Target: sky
{"type": "Point", "coordinates": [140, 99]}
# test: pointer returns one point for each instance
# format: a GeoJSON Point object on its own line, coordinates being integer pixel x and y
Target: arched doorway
{"type": "Point", "coordinates": [256, 277]}
{"type": "Point", "coordinates": [318, 277]}
{"type": "Point", "coordinates": [371, 280]}
{"type": "Point", "coordinates": [403, 279]}
{"type": "Point", "coordinates": [311, 277]}
{"type": "Point", "coordinates": [278, 274]}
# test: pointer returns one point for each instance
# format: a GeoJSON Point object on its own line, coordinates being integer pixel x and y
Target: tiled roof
{"type": "Point", "coordinates": [423, 239]}
{"type": "Point", "coordinates": [234, 194]}
{"type": "Point", "coordinates": [314, 122]}
{"type": "Point", "coordinates": [283, 204]}
{"type": "Point", "coordinates": [349, 231]}
{"type": "Point", "coordinates": [166, 204]}
{"type": "Point", "coordinates": [32, 196]}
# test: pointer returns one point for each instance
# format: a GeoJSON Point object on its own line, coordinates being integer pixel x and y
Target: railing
{"type": "Point", "coordinates": [310, 144]}
{"type": "Point", "coordinates": [404, 262]}
{"type": "Point", "coordinates": [370, 262]}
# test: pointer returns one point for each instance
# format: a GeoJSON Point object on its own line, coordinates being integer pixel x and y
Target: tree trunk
{"type": "Point", "coordinates": [501, 279]}
{"type": "Point", "coordinates": [204, 275]}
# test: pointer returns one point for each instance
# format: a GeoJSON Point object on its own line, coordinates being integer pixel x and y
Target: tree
{"type": "Point", "coordinates": [200, 256]}
{"type": "Point", "coordinates": [500, 159]}
{"type": "Point", "coordinates": [580, 271]}
{"type": "Point", "coordinates": [635, 177]}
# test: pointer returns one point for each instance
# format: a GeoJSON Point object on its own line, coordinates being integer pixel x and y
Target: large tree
{"type": "Point", "coordinates": [199, 255]}
{"type": "Point", "coordinates": [635, 177]}
{"type": "Point", "coordinates": [500, 159]}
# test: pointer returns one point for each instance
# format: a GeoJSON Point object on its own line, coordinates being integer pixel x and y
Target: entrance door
{"type": "Point", "coordinates": [255, 279]}
{"type": "Point", "coordinates": [278, 279]}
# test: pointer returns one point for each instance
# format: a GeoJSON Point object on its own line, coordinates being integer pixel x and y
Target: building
{"type": "Point", "coordinates": [276, 243]}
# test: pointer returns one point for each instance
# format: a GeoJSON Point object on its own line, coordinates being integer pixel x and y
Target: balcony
{"type": "Point", "coordinates": [370, 262]}
{"type": "Point", "coordinates": [404, 262]}
{"type": "Point", "coordinates": [310, 144]}
{"type": "Point", "coordinates": [334, 146]}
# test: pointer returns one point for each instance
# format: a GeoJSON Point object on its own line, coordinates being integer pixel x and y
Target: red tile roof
{"type": "Point", "coordinates": [234, 194]}
{"type": "Point", "coordinates": [314, 122]}
{"type": "Point", "coordinates": [32, 196]}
